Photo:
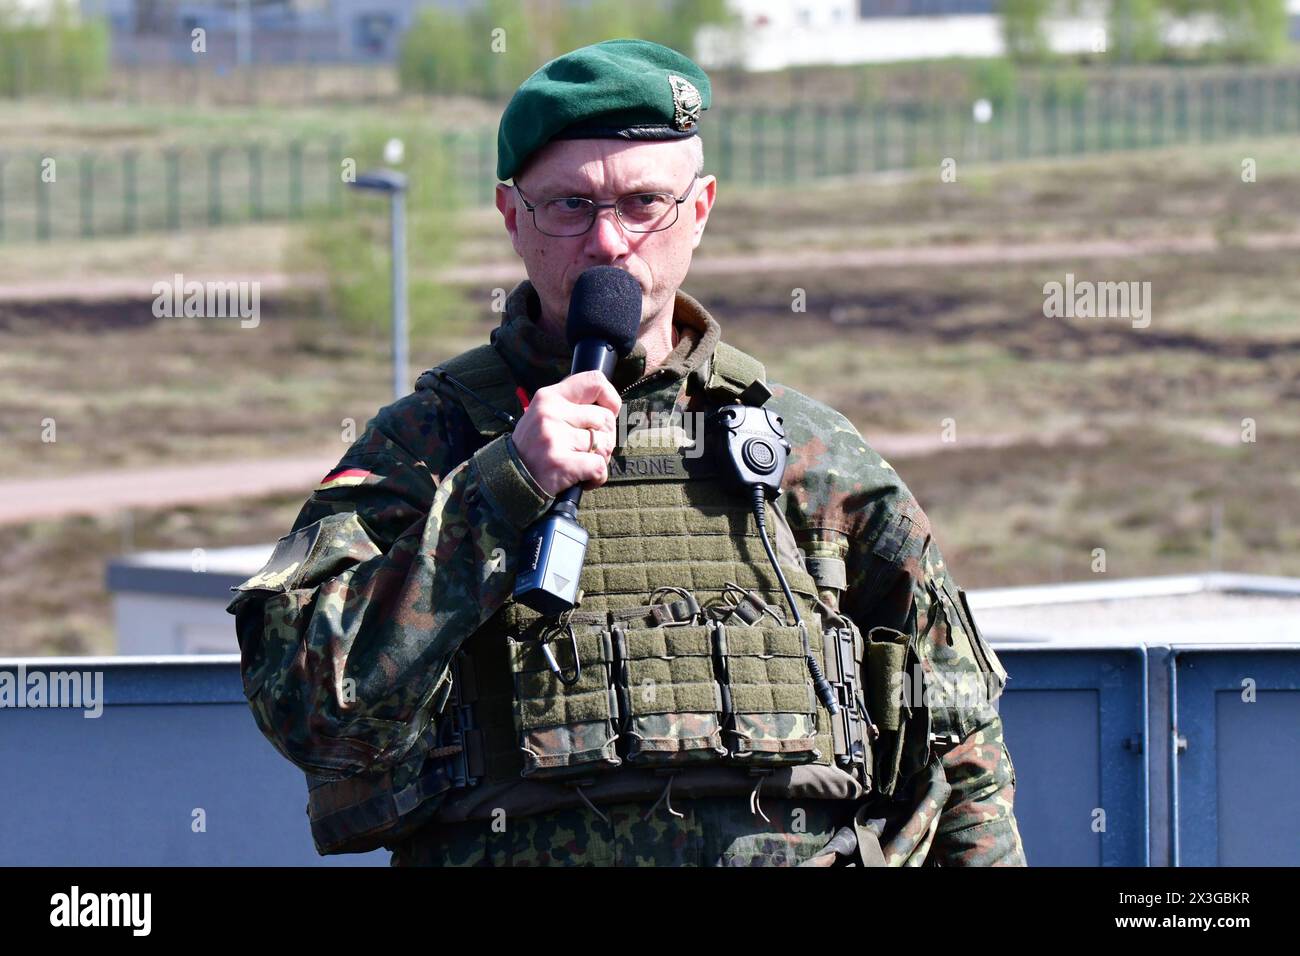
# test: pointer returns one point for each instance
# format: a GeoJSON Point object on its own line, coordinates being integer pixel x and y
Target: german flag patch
{"type": "Point", "coordinates": [345, 477]}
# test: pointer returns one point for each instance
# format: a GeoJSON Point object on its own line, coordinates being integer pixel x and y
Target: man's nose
{"type": "Point", "coordinates": [607, 237]}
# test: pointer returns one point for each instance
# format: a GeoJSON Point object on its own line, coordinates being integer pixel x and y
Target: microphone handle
{"type": "Point", "coordinates": [556, 546]}
{"type": "Point", "coordinates": [571, 498]}
{"type": "Point", "coordinates": [588, 355]}
{"type": "Point", "coordinates": [594, 355]}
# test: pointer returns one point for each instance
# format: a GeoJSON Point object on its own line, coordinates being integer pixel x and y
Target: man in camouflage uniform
{"type": "Point", "coordinates": [407, 550]}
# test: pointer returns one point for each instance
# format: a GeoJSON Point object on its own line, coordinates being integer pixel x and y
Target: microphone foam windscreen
{"type": "Point", "coordinates": [606, 304]}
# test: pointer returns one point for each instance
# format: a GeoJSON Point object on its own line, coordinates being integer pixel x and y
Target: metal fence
{"type": "Point", "coordinates": [95, 193]}
{"type": "Point", "coordinates": [1157, 736]}
{"type": "Point", "coordinates": [759, 146]}
{"type": "Point", "coordinates": [103, 193]}
{"type": "Point", "coordinates": [792, 145]}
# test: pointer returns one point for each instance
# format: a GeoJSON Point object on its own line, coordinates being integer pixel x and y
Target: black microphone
{"type": "Point", "coordinates": [604, 317]}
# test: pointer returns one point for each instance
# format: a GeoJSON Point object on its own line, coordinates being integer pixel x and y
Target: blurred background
{"type": "Point", "coordinates": [920, 169]}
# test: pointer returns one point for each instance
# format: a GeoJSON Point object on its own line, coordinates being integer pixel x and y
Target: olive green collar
{"type": "Point", "coordinates": [538, 358]}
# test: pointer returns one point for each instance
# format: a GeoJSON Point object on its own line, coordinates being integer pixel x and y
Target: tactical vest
{"type": "Point", "coordinates": [681, 665]}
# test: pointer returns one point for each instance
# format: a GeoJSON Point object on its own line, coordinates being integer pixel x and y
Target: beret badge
{"type": "Point", "coordinates": [686, 103]}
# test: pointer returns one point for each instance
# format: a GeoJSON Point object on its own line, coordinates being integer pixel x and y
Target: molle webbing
{"type": "Point", "coordinates": [648, 534]}
{"type": "Point", "coordinates": [662, 519]}
{"type": "Point", "coordinates": [661, 686]}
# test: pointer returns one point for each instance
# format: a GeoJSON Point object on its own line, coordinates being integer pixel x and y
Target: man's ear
{"type": "Point", "coordinates": [505, 199]}
{"type": "Point", "coordinates": [705, 193]}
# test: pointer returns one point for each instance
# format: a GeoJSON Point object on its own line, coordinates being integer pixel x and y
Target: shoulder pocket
{"type": "Point", "coordinates": [321, 550]}
{"type": "Point", "coordinates": [988, 661]}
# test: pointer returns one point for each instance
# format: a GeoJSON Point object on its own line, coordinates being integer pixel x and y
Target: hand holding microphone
{"type": "Point", "coordinates": [565, 444]}
{"type": "Point", "coordinates": [567, 434]}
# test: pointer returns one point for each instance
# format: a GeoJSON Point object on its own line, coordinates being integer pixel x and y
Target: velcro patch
{"type": "Point", "coordinates": [662, 467]}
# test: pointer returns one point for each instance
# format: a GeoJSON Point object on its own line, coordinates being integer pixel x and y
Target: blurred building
{"type": "Point", "coordinates": [157, 32]}
{"type": "Point", "coordinates": [775, 34]}
{"type": "Point", "coordinates": [768, 35]}
{"type": "Point", "coordinates": [173, 602]}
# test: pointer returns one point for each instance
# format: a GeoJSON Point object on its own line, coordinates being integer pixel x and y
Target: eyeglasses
{"type": "Point", "coordinates": [568, 216]}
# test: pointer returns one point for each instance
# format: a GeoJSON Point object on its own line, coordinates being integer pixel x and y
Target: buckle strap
{"type": "Point", "coordinates": [684, 610]}
{"type": "Point", "coordinates": [852, 729]}
{"type": "Point", "coordinates": [459, 741]}
{"type": "Point", "coordinates": [678, 612]}
{"type": "Point", "coordinates": [747, 605]}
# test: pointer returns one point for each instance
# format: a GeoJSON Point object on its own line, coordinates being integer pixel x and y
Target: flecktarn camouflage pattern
{"type": "Point", "coordinates": [406, 550]}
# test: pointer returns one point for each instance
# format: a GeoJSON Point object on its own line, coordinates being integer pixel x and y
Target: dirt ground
{"type": "Point", "coordinates": [1029, 440]}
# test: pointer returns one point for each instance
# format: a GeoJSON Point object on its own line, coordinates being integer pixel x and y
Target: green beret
{"type": "Point", "coordinates": [617, 89]}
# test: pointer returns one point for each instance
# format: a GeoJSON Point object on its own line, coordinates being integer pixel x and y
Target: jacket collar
{"type": "Point", "coordinates": [538, 358]}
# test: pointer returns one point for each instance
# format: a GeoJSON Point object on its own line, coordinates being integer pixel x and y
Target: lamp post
{"type": "Point", "coordinates": [243, 33]}
{"type": "Point", "coordinates": [393, 184]}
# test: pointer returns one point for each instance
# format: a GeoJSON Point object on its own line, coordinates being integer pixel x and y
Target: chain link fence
{"type": "Point", "coordinates": [120, 192]}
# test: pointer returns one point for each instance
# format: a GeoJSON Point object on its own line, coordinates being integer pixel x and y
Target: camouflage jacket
{"type": "Point", "coordinates": [404, 549]}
